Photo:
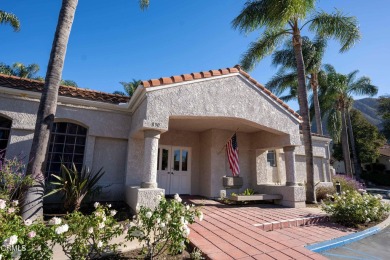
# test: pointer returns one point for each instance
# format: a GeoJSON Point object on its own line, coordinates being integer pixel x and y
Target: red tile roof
{"type": "Point", "coordinates": [215, 73]}
{"type": "Point", "coordinates": [67, 91]}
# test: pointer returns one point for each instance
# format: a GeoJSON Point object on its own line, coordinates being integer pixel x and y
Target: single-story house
{"type": "Point", "coordinates": [169, 136]}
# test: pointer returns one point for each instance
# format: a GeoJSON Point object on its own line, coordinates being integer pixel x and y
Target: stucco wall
{"type": "Point", "coordinates": [111, 154]}
{"type": "Point", "coordinates": [106, 143]}
{"type": "Point", "coordinates": [213, 98]}
{"type": "Point", "coordinates": [220, 164]}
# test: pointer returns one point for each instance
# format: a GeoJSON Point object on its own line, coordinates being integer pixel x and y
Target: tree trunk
{"type": "Point", "coordinates": [304, 112]}
{"type": "Point", "coordinates": [345, 144]}
{"type": "Point", "coordinates": [357, 167]}
{"type": "Point", "coordinates": [32, 203]}
{"type": "Point", "coordinates": [316, 103]}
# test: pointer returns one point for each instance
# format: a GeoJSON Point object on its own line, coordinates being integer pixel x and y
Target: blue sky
{"type": "Point", "coordinates": [113, 41]}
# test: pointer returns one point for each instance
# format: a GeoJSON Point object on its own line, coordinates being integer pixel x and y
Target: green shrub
{"type": "Point", "coordinates": [13, 179]}
{"type": "Point", "coordinates": [75, 185]}
{"type": "Point", "coordinates": [166, 224]}
{"type": "Point", "coordinates": [323, 191]}
{"type": "Point", "coordinates": [351, 208]}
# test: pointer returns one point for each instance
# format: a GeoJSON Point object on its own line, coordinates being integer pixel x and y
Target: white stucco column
{"type": "Point", "coordinates": [149, 177]}
{"type": "Point", "coordinates": [289, 159]}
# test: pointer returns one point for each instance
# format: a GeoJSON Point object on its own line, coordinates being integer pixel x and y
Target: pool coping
{"type": "Point", "coordinates": [333, 243]}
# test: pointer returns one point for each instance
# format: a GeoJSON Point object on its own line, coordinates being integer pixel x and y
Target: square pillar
{"type": "Point", "coordinates": [289, 158]}
{"type": "Point", "coordinates": [149, 177]}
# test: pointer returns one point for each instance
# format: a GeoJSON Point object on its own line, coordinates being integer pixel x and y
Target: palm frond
{"type": "Point", "coordinates": [328, 68]}
{"type": "Point", "coordinates": [281, 82]}
{"type": "Point", "coordinates": [11, 19]}
{"type": "Point", "coordinates": [293, 94]}
{"type": "Point", "coordinates": [261, 48]}
{"type": "Point", "coordinates": [343, 28]}
{"type": "Point", "coordinates": [352, 76]}
{"type": "Point", "coordinates": [144, 4]}
{"type": "Point", "coordinates": [363, 86]}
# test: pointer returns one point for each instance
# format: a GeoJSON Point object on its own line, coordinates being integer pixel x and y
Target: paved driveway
{"type": "Point", "coordinates": [238, 232]}
{"type": "Point", "coordinates": [374, 247]}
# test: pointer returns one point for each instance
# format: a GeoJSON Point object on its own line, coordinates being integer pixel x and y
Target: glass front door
{"type": "Point", "coordinates": [174, 169]}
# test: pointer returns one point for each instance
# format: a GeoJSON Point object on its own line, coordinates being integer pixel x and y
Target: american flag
{"type": "Point", "coordinates": [232, 154]}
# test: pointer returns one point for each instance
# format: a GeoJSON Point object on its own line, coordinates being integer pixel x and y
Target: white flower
{"type": "Point", "coordinates": [148, 214]}
{"type": "Point", "coordinates": [102, 225]}
{"type": "Point", "coordinates": [200, 216]}
{"type": "Point", "coordinates": [90, 230]}
{"type": "Point", "coordinates": [12, 240]}
{"type": "Point", "coordinates": [113, 212]}
{"type": "Point", "coordinates": [96, 204]}
{"type": "Point", "coordinates": [186, 232]}
{"type": "Point", "coordinates": [109, 205]}
{"type": "Point", "coordinates": [28, 222]}
{"type": "Point", "coordinates": [11, 210]}
{"type": "Point", "coordinates": [158, 197]}
{"type": "Point", "coordinates": [62, 229]}
{"type": "Point", "coordinates": [182, 219]}
{"type": "Point", "coordinates": [55, 221]}
{"type": "Point", "coordinates": [31, 234]}
{"type": "Point", "coordinates": [15, 203]}
{"type": "Point", "coordinates": [99, 244]}
{"type": "Point", "coordinates": [104, 218]}
{"type": "Point", "coordinates": [158, 220]}
{"type": "Point", "coordinates": [162, 225]}
{"type": "Point", "coordinates": [187, 207]}
{"type": "Point", "coordinates": [97, 214]}
{"type": "Point", "coordinates": [177, 197]}
{"type": "Point", "coordinates": [2, 204]}
{"type": "Point", "coordinates": [368, 220]}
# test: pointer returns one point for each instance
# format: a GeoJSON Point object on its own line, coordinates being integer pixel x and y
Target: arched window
{"type": "Point", "coordinates": [5, 128]}
{"type": "Point", "coordinates": [67, 145]}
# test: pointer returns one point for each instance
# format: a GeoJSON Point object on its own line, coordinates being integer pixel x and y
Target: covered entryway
{"type": "Point", "coordinates": [174, 169]}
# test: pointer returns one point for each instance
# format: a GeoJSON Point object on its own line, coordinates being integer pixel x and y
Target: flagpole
{"type": "Point", "coordinates": [228, 141]}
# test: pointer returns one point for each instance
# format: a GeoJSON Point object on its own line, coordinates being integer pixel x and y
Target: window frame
{"type": "Point", "coordinates": [271, 161]}
{"type": "Point", "coordinates": [58, 147]}
{"type": "Point", "coordinates": [7, 135]}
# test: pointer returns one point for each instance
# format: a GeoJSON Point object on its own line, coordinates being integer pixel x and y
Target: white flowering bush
{"type": "Point", "coordinates": [87, 236]}
{"type": "Point", "coordinates": [351, 208]}
{"type": "Point", "coordinates": [23, 239]}
{"type": "Point", "coordinates": [165, 227]}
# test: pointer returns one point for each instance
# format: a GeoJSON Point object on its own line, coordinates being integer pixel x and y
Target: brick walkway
{"type": "Point", "coordinates": [240, 232]}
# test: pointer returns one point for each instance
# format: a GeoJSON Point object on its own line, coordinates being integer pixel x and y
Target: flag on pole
{"type": "Point", "coordinates": [232, 154]}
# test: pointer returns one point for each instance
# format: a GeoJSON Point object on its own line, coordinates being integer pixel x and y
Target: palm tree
{"type": "Point", "coordinates": [23, 71]}
{"type": "Point", "coordinates": [287, 78]}
{"type": "Point", "coordinates": [11, 19]}
{"type": "Point", "coordinates": [336, 102]}
{"type": "Point", "coordinates": [284, 18]}
{"type": "Point", "coordinates": [129, 88]}
{"type": "Point", "coordinates": [32, 204]}
{"type": "Point", "coordinates": [68, 82]}
{"type": "Point", "coordinates": [18, 69]}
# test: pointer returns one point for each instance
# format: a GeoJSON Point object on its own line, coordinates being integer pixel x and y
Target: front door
{"type": "Point", "coordinates": [174, 169]}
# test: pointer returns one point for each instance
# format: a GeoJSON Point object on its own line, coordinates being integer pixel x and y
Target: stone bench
{"type": "Point", "coordinates": [256, 197]}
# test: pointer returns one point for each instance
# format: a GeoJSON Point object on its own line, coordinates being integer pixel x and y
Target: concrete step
{"type": "Point", "coordinates": [305, 221]}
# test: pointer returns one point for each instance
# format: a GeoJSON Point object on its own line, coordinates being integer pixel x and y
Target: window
{"type": "Point", "coordinates": [5, 128]}
{"type": "Point", "coordinates": [67, 145]}
{"type": "Point", "coordinates": [271, 158]}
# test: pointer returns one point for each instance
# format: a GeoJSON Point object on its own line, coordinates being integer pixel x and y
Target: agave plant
{"type": "Point", "coordinates": [75, 185]}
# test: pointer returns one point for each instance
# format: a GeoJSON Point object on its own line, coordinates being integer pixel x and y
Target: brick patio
{"type": "Point", "coordinates": [260, 231]}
